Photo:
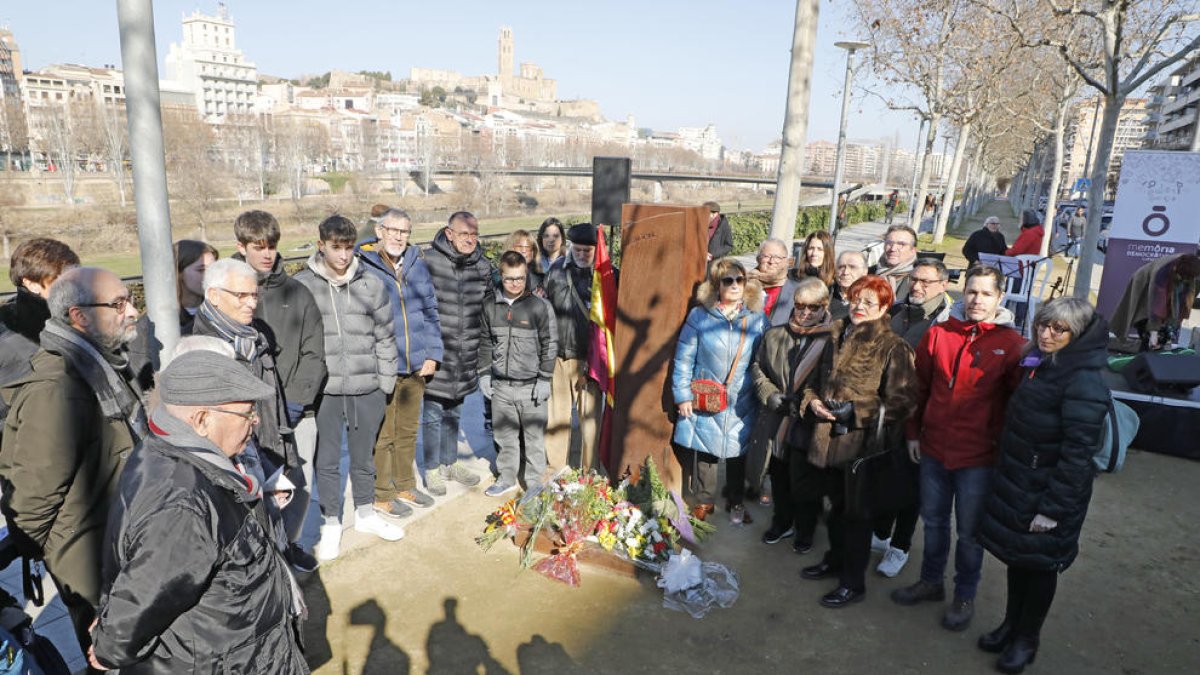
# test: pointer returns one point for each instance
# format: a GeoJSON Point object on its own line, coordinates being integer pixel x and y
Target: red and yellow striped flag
{"type": "Point", "coordinates": [602, 360]}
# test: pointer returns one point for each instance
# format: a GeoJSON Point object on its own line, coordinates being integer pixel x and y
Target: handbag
{"type": "Point", "coordinates": [711, 396]}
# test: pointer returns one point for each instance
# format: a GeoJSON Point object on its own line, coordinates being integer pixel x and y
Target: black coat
{"type": "Point", "coordinates": [720, 244]}
{"type": "Point", "coordinates": [193, 580]}
{"type": "Point", "coordinates": [21, 322]}
{"type": "Point", "coordinates": [1051, 431]}
{"type": "Point", "coordinates": [462, 284]}
{"type": "Point", "coordinates": [983, 240]}
{"type": "Point", "coordinates": [294, 324]}
{"type": "Point", "coordinates": [569, 290]}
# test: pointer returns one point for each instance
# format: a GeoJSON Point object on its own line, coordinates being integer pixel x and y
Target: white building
{"type": "Point", "coordinates": [210, 65]}
{"type": "Point", "coordinates": [702, 140]}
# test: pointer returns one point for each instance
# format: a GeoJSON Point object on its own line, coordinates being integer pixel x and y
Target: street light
{"type": "Point", "coordinates": [850, 46]}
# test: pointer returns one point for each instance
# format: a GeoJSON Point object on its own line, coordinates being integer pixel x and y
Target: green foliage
{"type": "Point", "coordinates": [751, 228]}
{"type": "Point", "coordinates": [336, 180]}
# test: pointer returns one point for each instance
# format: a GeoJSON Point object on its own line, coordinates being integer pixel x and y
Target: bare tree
{"type": "Point", "coordinates": [63, 130]}
{"type": "Point", "coordinates": [196, 176]}
{"type": "Point", "coordinates": [14, 130]}
{"type": "Point", "coordinates": [114, 132]}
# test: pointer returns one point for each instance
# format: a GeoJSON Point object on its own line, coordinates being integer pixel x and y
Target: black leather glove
{"type": "Point", "coordinates": [843, 411]}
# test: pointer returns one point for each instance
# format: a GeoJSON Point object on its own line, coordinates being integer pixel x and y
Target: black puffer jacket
{"type": "Point", "coordinates": [193, 582]}
{"type": "Point", "coordinates": [462, 284]}
{"type": "Point", "coordinates": [1051, 431]}
{"type": "Point", "coordinates": [294, 325]}
{"type": "Point", "coordinates": [569, 290]}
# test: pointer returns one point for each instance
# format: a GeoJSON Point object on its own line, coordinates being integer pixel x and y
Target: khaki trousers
{"type": "Point", "coordinates": [571, 387]}
{"type": "Point", "coordinates": [396, 447]}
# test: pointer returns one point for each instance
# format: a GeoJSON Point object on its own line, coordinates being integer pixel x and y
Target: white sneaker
{"type": "Point", "coordinates": [893, 561]}
{"type": "Point", "coordinates": [331, 541]}
{"type": "Point", "coordinates": [379, 527]}
{"type": "Point", "coordinates": [880, 545]}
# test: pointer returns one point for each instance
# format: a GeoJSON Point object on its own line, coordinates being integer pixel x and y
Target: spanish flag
{"type": "Point", "coordinates": [602, 361]}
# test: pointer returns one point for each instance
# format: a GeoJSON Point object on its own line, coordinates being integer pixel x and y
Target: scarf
{"type": "Point", "coordinates": [180, 435]}
{"type": "Point", "coordinates": [895, 274]}
{"type": "Point", "coordinates": [109, 378]}
{"type": "Point", "coordinates": [712, 225]}
{"type": "Point", "coordinates": [730, 312]}
{"type": "Point", "coordinates": [244, 339]}
{"type": "Point", "coordinates": [816, 322]}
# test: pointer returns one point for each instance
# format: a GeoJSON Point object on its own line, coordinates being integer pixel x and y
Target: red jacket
{"type": "Point", "coordinates": [966, 372]}
{"type": "Point", "coordinates": [1028, 242]}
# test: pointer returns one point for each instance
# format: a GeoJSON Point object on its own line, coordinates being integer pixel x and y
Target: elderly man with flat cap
{"type": "Point", "coordinates": [192, 576]}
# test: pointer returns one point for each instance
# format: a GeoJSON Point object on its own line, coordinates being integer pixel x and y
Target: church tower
{"type": "Point", "coordinates": [505, 54]}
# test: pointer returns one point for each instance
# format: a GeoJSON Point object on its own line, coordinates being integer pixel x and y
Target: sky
{"type": "Point", "coordinates": [670, 63]}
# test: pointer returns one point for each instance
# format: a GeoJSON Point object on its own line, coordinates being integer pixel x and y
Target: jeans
{"type": "Point", "coordinates": [966, 490]}
{"type": "Point", "coordinates": [519, 424]}
{"type": "Point", "coordinates": [359, 417]}
{"type": "Point", "coordinates": [440, 420]}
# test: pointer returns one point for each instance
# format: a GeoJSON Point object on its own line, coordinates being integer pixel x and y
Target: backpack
{"type": "Point", "coordinates": [22, 651]}
{"type": "Point", "coordinates": [1117, 433]}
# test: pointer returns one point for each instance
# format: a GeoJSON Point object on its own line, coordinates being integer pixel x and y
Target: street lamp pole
{"type": "Point", "coordinates": [912, 193]}
{"type": "Point", "coordinates": [850, 46]}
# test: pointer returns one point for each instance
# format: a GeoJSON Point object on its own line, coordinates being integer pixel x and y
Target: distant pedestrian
{"type": "Point", "coordinates": [360, 352]}
{"type": "Point", "coordinates": [1029, 242]}
{"type": "Point", "coordinates": [720, 235]}
{"type": "Point", "coordinates": [516, 363]}
{"type": "Point", "coordinates": [192, 579]}
{"type": "Point", "coordinates": [889, 206]}
{"type": "Point", "coordinates": [987, 239]}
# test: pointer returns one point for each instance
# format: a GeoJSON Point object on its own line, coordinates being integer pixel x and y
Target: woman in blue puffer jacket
{"type": "Point", "coordinates": [717, 343]}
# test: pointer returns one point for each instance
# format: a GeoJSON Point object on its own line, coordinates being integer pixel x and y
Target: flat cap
{"type": "Point", "coordinates": [208, 378]}
{"type": "Point", "coordinates": [583, 234]}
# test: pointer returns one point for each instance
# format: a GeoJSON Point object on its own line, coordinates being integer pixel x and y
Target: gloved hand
{"type": "Point", "coordinates": [776, 402]}
{"type": "Point", "coordinates": [541, 392]}
{"type": "Point", "coordinates": [843, 416]}
{"type": "Point", "coordinates": [485, 386]}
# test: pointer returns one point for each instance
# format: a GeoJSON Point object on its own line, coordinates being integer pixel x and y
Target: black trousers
{"type": "Point", "coordinates": [900, 526]}
{"type": "Point", "coordinates": [849, 537]}
{"type": "Point", "coordinates": [796, 501]}
{"type": "Point", "coordinates": [700, 476]}
{"type": "Point", "coordinates": [1030, 594]}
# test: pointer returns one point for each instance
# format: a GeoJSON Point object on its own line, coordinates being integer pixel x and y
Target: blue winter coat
{"type": "Point", "coordinates": [706, 348]}
{"type": "Point", "coordinates": [417, 327]}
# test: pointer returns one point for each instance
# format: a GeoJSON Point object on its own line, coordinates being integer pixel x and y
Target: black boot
{"type": "Point", "coordinates": [1019, 653]}
{"type": "Point", "coordinates": [995, 641]}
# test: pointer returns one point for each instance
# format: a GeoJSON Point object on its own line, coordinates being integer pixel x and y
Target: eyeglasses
{"type": "Point", "coordinates": [772, 258]}
{"type": "Point", "coordinates": [119, 304]}
{"type": "Point", "coordinates": [729, 281]}
{"type": "Point", "coordinates": [895, 243]}
{"type": "Point", "coordinates": [924, 282]}
{"type": "Point", "coordinates": [241, 296]}
{"type": "Point", "coordinates": [800, 307]}
{"type": "Point", "coordinates": [251, 417]}
{"type": "Point", "coordinates": [396, 231]}
{"type": "Point", "coordinates": [469, 236]}
{"type": "Point", "coordinates": [864, 303]}
{"type": "Point", "coordinates": [514, 279]}
{"type": "Point", "coordinates": [1056, 330]}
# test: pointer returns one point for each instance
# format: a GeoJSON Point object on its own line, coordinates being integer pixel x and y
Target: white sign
{"type": "Point", "coordinates": [1158, 197]}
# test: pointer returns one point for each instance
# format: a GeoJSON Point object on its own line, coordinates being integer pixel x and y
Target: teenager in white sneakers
{"type": "Point", "coordinates": [360, 352]}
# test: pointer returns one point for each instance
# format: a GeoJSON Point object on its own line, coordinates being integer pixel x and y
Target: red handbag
{"type": "Point", "coordinates": [711, 396]}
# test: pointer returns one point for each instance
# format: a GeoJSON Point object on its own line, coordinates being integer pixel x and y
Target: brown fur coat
{"type": "Point", "coordinates": [872, 367]}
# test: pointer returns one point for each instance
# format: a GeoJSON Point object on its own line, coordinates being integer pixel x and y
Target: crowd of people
{"type": "Point", "coordinates": [162, 498]}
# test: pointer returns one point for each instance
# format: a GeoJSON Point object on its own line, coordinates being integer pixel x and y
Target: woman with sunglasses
{"type": "Point", "coordinates": [1044, 480]}
{"type": "Point", "coordinates": [858, 403]}
{"type": "Point", "coordinates": [786, 361]}
{"type": "Point", "coordinates": [717, 343]}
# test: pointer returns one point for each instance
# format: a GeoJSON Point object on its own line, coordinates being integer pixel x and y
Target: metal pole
{"type": "Point", "coordinates": [1087, 161]}
{"type": "Point", "coordinates": [140, 63]}
{"type": "Point", "coordinates": [912, 193]}
{"type": "Point", "coordinates": [840, 162]}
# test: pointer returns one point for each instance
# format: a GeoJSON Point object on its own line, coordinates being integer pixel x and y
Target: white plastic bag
{"type": "Point", "coordinates": [695, 587]}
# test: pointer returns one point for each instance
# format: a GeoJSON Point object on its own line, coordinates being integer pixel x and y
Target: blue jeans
{"type": "Point", "coordinates": [967, 491]}
{"type": "Point", "coordinates": [439, 431]}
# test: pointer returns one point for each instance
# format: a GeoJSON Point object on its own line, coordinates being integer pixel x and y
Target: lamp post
{"type": "Point", "coordinates": [850, 46]}
{"type": "Point", "coordinates": [912, 192]}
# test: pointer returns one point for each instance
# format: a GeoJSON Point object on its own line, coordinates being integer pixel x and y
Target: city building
{"type": "Point", "coordinates": [10, 66]}
{"type": "Point", "coordinates": [702, 140]}
{"type": "Point", "coordinates": [1171, 109]}
{"type": "Point", "coordinates": [209, 64]}
{"type": "Point", "coordinates": [1083, 133]}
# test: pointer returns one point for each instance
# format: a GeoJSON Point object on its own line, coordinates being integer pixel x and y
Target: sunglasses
{"type": "Point", "coordinates": [729, 281]}
{"type": "Point", "coordinates": [800, 306]}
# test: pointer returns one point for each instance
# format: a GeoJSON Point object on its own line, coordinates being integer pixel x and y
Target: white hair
{"type": "Point", "coordinates": [204, 343]}
{"type": "Point", "coordinates": [777, 242]}
{"type": "Point", "coordinates": [218, 274]}
{"type": "Point", "coordinates": [860, 254]}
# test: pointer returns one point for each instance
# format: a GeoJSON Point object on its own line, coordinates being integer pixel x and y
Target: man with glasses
{"type": "Point", "coordinates": [773, 263]}
{"type": "Point", "coordinates": [74, 420]}
{"type": "Point", "coordinates": [231, 296]}
{"type": "Point", "coordinates": [418, 334]}
{"type": "Point", "coordinates": [292, 322]}
{"type": "Point", "coordinates": [967, 367]}
{"type": "Point", "coordinates": [899, 254]}
{"type": "Point", "coordinates": [927, 303]}
{"type": "Point", "coordinates": [462, 283]}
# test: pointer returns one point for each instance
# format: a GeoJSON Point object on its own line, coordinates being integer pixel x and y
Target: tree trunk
{"type": "Point", "coordinates": [943, 217]}
{"type": "Point", "coordinates": [1104, 146]}
{"type": "Point", "coordinates": [795, 125]}
{"type": "Point", "coordinates": [1060, 130]}
{"type": "Point", "coordinates": [969, 186]}
{"type": "Point", "coordinates": [926, 171]}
